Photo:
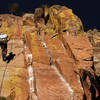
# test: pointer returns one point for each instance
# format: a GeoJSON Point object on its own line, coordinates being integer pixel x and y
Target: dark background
{"type": "Point", "coordinates": [87, 10]}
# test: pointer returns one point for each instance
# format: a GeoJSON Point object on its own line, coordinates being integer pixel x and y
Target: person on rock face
{"type": "Point", "coordinates": [3, 45]}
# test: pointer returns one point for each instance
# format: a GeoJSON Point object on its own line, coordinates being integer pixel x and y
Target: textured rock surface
{"type": "Point", "coordinates": [69, 52]}
{"type": "Point", "coordinates": [94, 37]}
{"type": "Point", "coordinates": [48, 83]}
{"type": "Point", "coordinates": [28, 19]}
{"type": "Point", "coordinates": [15, 78]}
{"type": "Point", "coordinates": [62, 56]}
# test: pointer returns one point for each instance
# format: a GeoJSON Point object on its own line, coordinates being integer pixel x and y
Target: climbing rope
{"type": "Point", "coordinates": [3, 79]}
{"type": "Point", "coordinates": [5, 71]}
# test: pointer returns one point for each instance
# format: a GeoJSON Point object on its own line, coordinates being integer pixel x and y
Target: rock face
{"type": "Point", "coordinates": [14, 86]}
{"type": "Point", "coordinates": [11, 25]}
{"type": "Point", "coordinates": [9, 19]}
{"type": "Point", "coordinates": [62, 65]}
{"type": "Point", "coordinates": [28, 19]}
{"type": "Point", "coordinates": [94, 37]}
{"type": "Point", "coordinates": [68, 52]}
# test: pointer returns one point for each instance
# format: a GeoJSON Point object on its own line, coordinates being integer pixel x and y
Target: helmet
{"type": "Point", "coordinates": [3, 37]}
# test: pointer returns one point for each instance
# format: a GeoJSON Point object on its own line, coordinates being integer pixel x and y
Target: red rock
{"type": "Point", "coordinates": [65, 65]}
{"type": "Point", "coordinates": [15, 80]}
{"type": "Point", "coordinates": [48, 83]}
{"type": "Point", "coordinates": [39, 53]}
{"type": "Point", "coordinates": [67, 69]}
{"type": "Point", "coordinates": [80, 46]}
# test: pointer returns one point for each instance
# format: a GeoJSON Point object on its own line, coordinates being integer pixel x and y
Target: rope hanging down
{"type": "Point", "coordinates": [5, 70]}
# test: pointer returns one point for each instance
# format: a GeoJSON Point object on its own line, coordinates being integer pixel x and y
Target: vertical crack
{"type": "Point", "coordinates": [56, 70]}
{"type": "Point", "coordinates": [31, 75]}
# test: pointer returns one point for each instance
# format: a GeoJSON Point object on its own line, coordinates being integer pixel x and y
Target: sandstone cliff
{"type": "Point", "coordinates": [63, 54]}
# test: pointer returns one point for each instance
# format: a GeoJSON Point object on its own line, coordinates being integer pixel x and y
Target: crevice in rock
{"type": "Point", "coordinates": [71, 97]}
{"type": "Point", "coordinates": [90, 85]}
{"type": "Point", "coordinates": [67, 47]}
{"type": "Point", "coordinates": [31, 75]}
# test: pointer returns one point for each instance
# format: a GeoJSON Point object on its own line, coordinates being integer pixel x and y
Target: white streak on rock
{"type": "Point", "coordinates": [61, 77]}
{"type": "Point", "coordinates": [31, 80]}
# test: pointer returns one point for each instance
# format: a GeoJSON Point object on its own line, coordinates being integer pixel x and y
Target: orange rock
{"type": "Point", "coordinates": [48, 83]}
{"type": "Point", "coordinates": [39, 53]}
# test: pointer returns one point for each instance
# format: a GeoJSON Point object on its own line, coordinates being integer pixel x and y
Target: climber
{"type": "Point", "coordinates": [3, 44]}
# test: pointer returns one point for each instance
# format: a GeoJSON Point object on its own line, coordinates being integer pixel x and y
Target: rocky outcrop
{"type": "Point", "coordinates": [94, 37]}
{"type": "Point", "coordinates": [28, 19]}
{"type": "Point", "coordinates": [65, 49]}
{"type": "Point", "coordinates": [63, 56]}
{"type": "Point", "coordinates": [9, 19]}
{"type": "Point", "coordinates": [11, 25]}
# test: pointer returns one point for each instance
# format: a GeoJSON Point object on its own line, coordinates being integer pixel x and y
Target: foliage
{"type": "Point", "coordinates": [13, 8]}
